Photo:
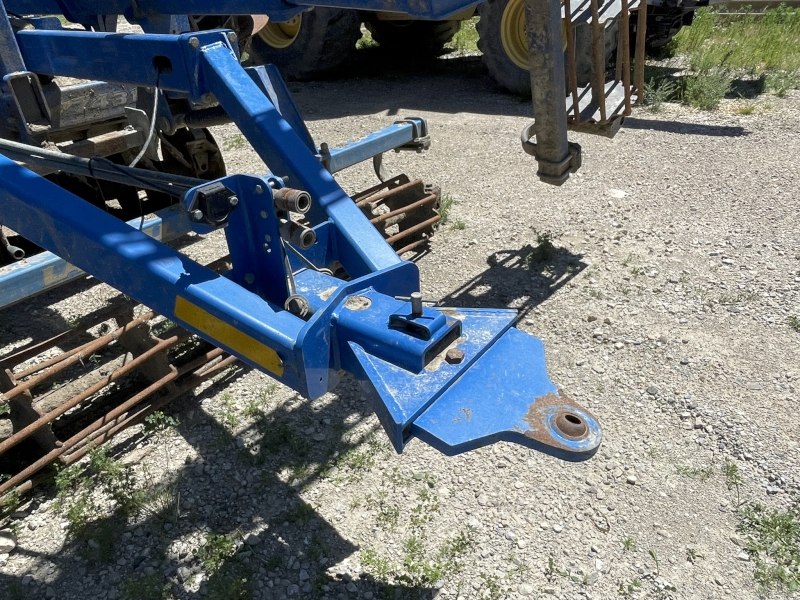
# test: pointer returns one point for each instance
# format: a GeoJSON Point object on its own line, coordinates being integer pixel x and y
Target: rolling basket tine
{"type": "Point", "coordinates": [599, 60]}
{"type": "Point", "coordinates": [571, 73]}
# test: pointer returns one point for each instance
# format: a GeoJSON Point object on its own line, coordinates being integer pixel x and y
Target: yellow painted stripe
{"type": "Point", "coordinates": [228, 335]}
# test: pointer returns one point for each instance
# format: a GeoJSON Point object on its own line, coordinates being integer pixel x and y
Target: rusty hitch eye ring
{"type": "Point", "coordinates": [571, 425]}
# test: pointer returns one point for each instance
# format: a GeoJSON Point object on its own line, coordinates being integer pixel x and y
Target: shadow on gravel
{"type": "Point", "coordinates": [377, 82]}
{"type": "Point", "coordinates": [196, 531]}
{"type": "Point", "coordinates": [521, 278]}
{"type": "Point", "coordinates": [684, 128]}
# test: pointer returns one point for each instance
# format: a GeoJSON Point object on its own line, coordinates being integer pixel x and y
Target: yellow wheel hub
{"type": "Point", "coordinates": [281, 35]}
{"type": "Point", "coordinates": [512, 33]}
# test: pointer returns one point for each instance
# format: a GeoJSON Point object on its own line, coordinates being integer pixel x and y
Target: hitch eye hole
{"type": "Point", "coordinates": [571, 425]}
{"type": "Point", "coordinates": [163, 64]}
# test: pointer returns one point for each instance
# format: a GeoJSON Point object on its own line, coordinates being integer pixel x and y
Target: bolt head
{"type": "Point", "coordinates": [194, 42]}
{"type": "Point", "coordinates": [454, 356]}
{"type": "Point", "coordinates": [233, 200]}
{"type": "Point", "coordinates": [231, 37]}
{"type": "Point", "coordinates": [197, 215]}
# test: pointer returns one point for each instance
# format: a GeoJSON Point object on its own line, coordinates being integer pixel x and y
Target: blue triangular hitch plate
{"type": "Point", "coordinates": [499, 390]}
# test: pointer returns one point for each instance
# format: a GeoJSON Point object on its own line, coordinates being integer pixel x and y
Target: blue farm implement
{"type": "Point", "coordinates": [314, 285]}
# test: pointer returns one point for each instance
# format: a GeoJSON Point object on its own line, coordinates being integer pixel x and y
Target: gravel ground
{"type": "Point", "coordinates": [665, 309]}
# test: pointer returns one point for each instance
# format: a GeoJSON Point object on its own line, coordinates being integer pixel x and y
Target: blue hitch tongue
{"type": "Point", "coordinates": [497, 390]}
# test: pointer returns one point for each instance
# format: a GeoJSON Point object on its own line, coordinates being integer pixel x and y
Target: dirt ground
{"type": "Point", "coordinates": [665, 310]}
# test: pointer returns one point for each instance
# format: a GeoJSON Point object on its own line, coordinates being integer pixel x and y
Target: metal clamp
{"type": "Point", "coordinates": [421, 140]}
{"type": "Point", "coordinates": [554, 173]}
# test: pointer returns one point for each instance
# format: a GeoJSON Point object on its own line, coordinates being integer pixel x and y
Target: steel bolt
{"type": "Point", "coordinates": [454, 356]}
{"type": "Point", "coordinates": [231, 37]}
{"type": "Point", "coordinates": [194, 42]}
{"type": "Point", "coordinates": [259, 189]}
{"type": "Point", "coordinates": [233, 200]}
{"type": "Point", "coordinates": [197, 215]}
{"type": "Point", "coordinates": [416, 304]}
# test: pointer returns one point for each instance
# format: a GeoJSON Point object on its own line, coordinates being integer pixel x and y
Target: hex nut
{"type": "Point", "coordinates": [454, 356]}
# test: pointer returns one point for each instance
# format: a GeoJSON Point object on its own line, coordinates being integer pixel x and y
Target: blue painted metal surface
{"type": "Point", "coordinates": [389, 138]}
{"type": "Point", "coordinates": [498, 389]}
{"type": "Point", "coordinates": [45, 271]}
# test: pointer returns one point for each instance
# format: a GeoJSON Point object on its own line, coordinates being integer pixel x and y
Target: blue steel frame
{"type": "Point", "coordinates": [498, 390]}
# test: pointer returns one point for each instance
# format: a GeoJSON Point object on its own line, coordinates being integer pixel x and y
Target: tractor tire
{"type": "Point", "coordinates": [317, 41]}
{"type": "Point", "coordinates": [503, 44]}
{"type": "Point", "coordinates": [415, 38]}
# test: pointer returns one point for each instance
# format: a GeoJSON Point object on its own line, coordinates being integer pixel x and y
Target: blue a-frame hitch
{"type": "Point", "coordinates": [456, 378]}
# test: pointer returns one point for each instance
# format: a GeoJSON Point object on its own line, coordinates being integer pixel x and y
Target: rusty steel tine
{"type": "Point", "coordinates": [87, 349]}
{"type": "Point", "coordinates": [572, 74]}
{"type": "Point", "coordinates": [386, 193]}
{"type": "Point", "coordinates": [54, 454]}
{"type": "Point", "coordinates": [75, 400]}
{"type": "Point", "coordinates": [411, 246]}
{"type": "Point", "coordinates": [626, 56]}
{"type": "Point", "coordinates": [426, 200]}
{"type": "Point", "coordinates": [158, 403]}
{"type": "Point", "coordinates": [599, 59]}
{"type": "Point", "coordinates": [122, 408]}
{"type": "Point", "coordinates": [12, 360]}
{"type": "Point", "coordinates": [410, 230]}
{"type": "Point", "coordinates": [125, 420]}
{"type": "Point", "coordinates": [638, 75]}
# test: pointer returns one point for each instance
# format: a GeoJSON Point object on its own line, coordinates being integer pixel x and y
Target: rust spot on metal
{"type": "Point", "coordinates": [571, 425]}
{"type": "Point", "coordinates": [567, 422]}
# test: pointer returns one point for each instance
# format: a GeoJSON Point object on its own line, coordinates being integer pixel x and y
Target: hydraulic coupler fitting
{"type": "Point", "coordinates": [288, 199]}
{"type": "Point", "coordinates": [298, 235]}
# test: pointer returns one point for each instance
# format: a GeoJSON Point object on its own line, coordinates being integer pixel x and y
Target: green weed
{"type": "Point", "coordinates": [627, 590]}
{"type": "Point", "coordinates": [9, 504]}
{"type": "Point", "coordinates": [493, 589]}
{"type": "Point", "coordinates": [699, 473]}
{"type": "Point", "coordinates": [629, 543]}
{"type": "Point", "coordinates": [773, 542]}
{"type": "Point", "coordinates": [706, 89]}
{"type": "Point", "coordinates": [781, 82]}
{"type": "Point", "coordinates": [229, 416]}
{"type": "Point", "coordinates": [693, 556]}
{"type": "Point", "coordinates": [366, 42]}
{"type": "Point", "coordinates": [158, 422]}
{"type": "Point", "coordinates": [379, 567]}
{"type": "Point", "coordinates": [459, 225]}
{"type": "Point", "coordinates": [658, 91]}
{"type": "Point", "coordinates": [148, 587]}
{"type": "Point", "coordinates": [446, 203]}
{"type": "Point", "coordinates": [733, 478]}
{"type": "Point", "coordinates": [794, 323]}
{"type": "Point", "coordinates": [215, 553]}
{"type": "Point", "coordinates": [721, 46]}
{"type": "Point", "coordinates": [388, 514]}
{"type": "Point", "coordinates": [653, 555]}
{"type": "Point", "coordinates": [544, 251]}
{"type": "Point", "coordinates": [237, 142]}
{"type": "Point", "coordinates": [466, 39]}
